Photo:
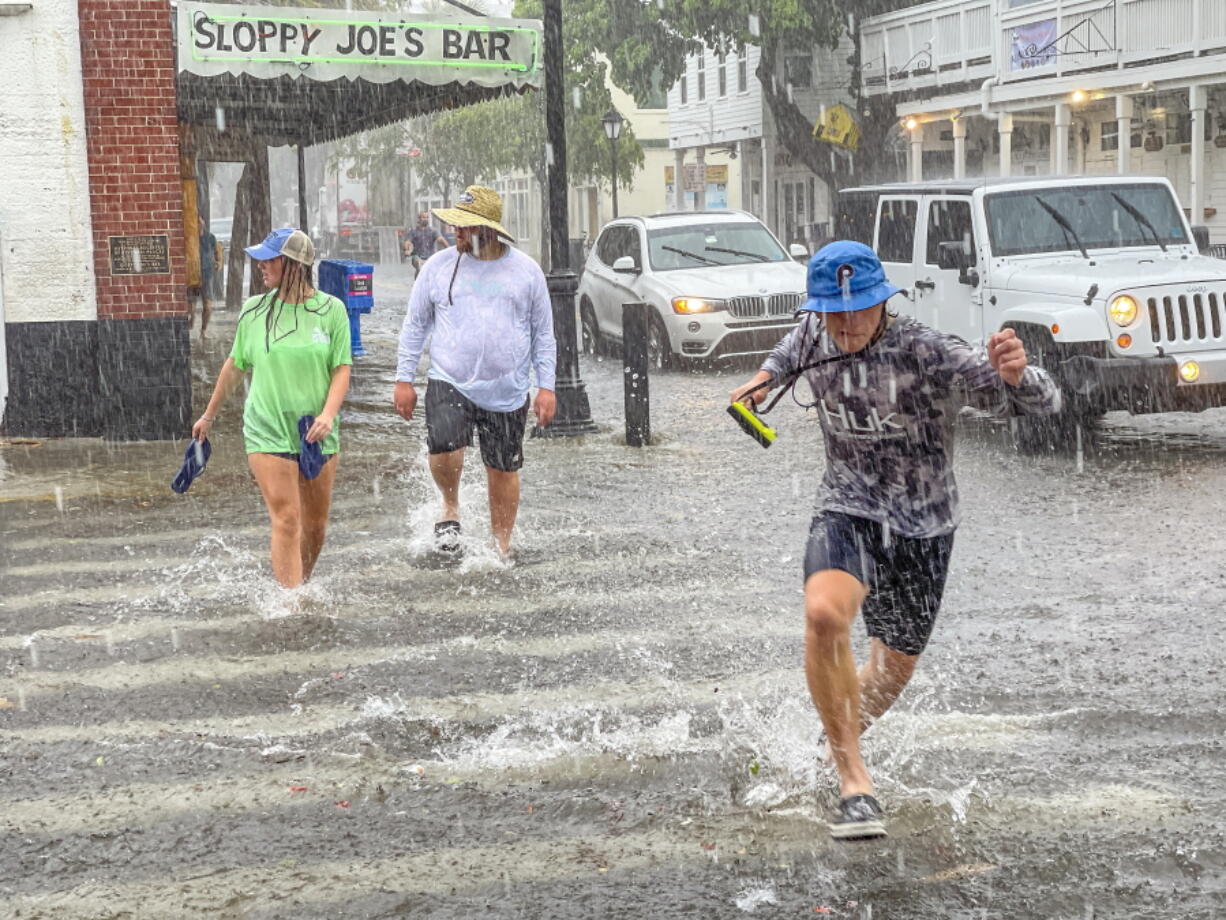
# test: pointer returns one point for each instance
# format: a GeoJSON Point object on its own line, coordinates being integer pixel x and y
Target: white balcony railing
{"type": "Point", "coordinates": [950, 42]}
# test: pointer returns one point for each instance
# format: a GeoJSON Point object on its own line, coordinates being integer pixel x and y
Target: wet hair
{"type": "Point", "coordinates": [294, 276]}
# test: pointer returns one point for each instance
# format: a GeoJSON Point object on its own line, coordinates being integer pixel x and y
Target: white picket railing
{"type": "Point", "coordinates": [950, 42]}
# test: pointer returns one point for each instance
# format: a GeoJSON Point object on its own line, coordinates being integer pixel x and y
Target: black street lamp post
{"type": "Point", "coordinates": [612, 122]}
{"type": "Point", "coordinates": [574, 415]}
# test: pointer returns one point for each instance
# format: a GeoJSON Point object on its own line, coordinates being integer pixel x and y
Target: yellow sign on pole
{"type": "Point", "coordinates": [837, 126]}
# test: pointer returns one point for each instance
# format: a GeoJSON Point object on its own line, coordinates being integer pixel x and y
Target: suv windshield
{"type": "Point", "coordinates": [1018, 223]}
{"type": "Point", "coordinates": [712, 244]}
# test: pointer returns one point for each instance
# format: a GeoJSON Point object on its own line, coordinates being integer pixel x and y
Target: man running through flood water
{"type": "Point", "coordinates": [887, 391]}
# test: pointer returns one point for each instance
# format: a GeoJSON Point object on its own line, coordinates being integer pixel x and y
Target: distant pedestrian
{"type": "Point", "coordinates": [423, 241]}
{"type": "Point", "coordinates": [294, 340]}
{"type": "Point", "coordinates": [486, 310]}
{"type": "Point", "coordinates": [887, 390]}
{"type": "Point", "coordinates": [210, 267]}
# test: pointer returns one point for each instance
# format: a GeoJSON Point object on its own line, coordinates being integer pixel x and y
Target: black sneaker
{"type": "Point", "coordinates": [447, 536]}
{"type": "Point", "coordinates": [859, 819]}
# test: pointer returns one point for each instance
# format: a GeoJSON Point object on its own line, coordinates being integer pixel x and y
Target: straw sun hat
{"type": "Point", "coordinates": [477, 207]}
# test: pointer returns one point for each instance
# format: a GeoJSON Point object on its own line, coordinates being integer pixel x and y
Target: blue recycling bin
{"type": "Point", "coordinates": [352, 283]}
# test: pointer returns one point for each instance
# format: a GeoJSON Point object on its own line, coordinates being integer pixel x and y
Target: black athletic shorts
{"type": "Point", "coordinates": [451, 417]}
{"type": "Point", "coordinates": [905, 575]}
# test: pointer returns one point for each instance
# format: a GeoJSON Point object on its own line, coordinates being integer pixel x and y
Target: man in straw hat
{"type": "Point", "coordinates": [485, 308]}
{"type": "Point", "coordinates": [887, 390]}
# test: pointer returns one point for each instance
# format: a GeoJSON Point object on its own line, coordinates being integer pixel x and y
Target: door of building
{"type": "Point", "coordinates": [4, 367]}
{"type": "Point", "coordinates": [4, 333]}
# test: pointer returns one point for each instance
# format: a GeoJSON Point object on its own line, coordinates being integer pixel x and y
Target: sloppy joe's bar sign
{"type": "Point", "coordinates": [240, 35]}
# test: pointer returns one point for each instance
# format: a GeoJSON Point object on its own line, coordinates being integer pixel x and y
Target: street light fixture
{"type": "Point", "coordinates": [612, 122]}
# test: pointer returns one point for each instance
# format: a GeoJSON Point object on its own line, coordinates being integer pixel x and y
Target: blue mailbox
{"type": "Point", "coordinates": [352, 283]}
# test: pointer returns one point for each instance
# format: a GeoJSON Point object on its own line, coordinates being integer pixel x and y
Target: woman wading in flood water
{"type": "Point", "coordinates": [295, 342]}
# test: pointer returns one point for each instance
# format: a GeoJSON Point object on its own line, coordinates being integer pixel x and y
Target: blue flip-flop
{"type": "Point", "coordinates": [194, 460]}
{"type": "Point", "coordinates": [310, 455]}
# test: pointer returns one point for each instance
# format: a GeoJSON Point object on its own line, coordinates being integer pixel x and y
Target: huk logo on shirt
{"type": "Point", "coordinates": [872, 422]}
{"type": "Point", "coordinates": [319, 337]}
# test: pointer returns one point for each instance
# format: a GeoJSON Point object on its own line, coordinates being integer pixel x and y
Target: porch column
{"type": "Point", "coordinates": [742, 149]}
{"type": "Point", "coordinates": [1005, 126]}
{"type": "Point", "coordinates": [916, 160]}
{"type": "Point", "coordinates": [678, 170]}
{"type": "Point", "coordinates": [1123, 118]}
{"type": "Point", "coordinates": [959, 147]}
{"type": "Point", "coordinates": [768, 178]}
{"type": "Point", "coordinates": [1197, 103]}
{"type": "Point", "coordinates": [1063, 122]}
{"type": "Point", "coordinates": [700, 198]}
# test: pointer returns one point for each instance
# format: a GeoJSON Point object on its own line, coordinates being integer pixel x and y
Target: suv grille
{"type": "Point", "coordinates": [1183, 319]}
{"type": "Point", "coordinates": [755, 307]}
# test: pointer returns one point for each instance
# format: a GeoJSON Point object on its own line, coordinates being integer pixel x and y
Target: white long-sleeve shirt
{"type": "Point", "coordinates": [489, 324]}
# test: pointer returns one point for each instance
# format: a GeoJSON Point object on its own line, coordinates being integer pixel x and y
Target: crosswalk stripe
{"type": "Point", "coordinates": [218, 581]}
{"type": "Point", "coordinates": [313, 720]}
{"type": "Point", "coordinates": [445, 870]}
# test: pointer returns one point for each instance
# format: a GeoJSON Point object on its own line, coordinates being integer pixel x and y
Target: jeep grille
{"type": "Point", "coordinates": [1184, 319]}
{"type": "Point", "coordinates": [775, 305]}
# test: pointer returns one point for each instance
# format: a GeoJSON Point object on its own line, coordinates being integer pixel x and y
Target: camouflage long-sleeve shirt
{"type": "Point", "coordinates": [888, 413]}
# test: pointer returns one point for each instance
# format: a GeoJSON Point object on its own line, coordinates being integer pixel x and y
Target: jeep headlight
{"type": "Point", "coordinates": [689, 305]}
{"type": "Point", "coordinates": [1123, 310]}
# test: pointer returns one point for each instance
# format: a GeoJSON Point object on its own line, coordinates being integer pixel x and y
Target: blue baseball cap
{"type": "Point", "coordinates": [288, 242]}
{"type": "Point", "coordinates": [845, 276]}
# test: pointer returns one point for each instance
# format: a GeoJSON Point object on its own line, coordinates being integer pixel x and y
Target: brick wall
{"type": "Point", "coordinates": [128, 72]}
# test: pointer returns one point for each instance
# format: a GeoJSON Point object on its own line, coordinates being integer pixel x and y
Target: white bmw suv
{"type": "Point", "coordinates": [719, 283]}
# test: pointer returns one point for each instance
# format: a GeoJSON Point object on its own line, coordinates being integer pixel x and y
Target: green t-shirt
{"type": "Point", "coordinates": [291, 366]}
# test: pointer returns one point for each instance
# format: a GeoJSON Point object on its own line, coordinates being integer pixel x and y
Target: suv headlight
{"type": "Point", "coordinates": [1123, 310]}
{"type": "Point", "coordinates": [689, 305]}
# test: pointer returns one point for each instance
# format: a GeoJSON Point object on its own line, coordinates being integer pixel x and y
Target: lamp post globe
{"type": "Point", "coordinates": [612, 122]}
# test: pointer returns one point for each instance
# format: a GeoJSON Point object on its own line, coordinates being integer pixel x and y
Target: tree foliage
{"type": "Point", "coordinates": [661, 34]}
{"type": "Point", "coordinates": [477, 142]}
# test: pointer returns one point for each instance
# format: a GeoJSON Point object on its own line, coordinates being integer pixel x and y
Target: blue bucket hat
{"type": "Point", "coordinates": [194, 459]}
{"type": "Point", "coordinates": [310, 453]}
{"type": "Point", "coordinates": [845, 276]}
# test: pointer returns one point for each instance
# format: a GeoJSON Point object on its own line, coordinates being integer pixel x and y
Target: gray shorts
{"type": "Point", "coordinates": [905, 575]}
{"type": "Point", "coordinates": [451, 418]}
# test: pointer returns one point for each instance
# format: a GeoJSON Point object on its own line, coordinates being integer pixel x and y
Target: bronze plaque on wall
{"type": "Point", "coordinates": [140, 255]}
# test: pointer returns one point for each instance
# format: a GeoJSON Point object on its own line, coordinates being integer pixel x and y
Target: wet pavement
{"type": "Point", "coordinates": [616, 726]}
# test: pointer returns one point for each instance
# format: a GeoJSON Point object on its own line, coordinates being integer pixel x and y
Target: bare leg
{"type": "Point", "coordinates": [504, 505]}
{"type": "Point", "coordinates": [881, 681]}
{"type": "Point", "coordinates": [832, 600]}
{"type": "Point", "coordinates": [278, 481]}
{"type": "Point", "coordinates": [446, 470]}
{"type": "Point", "coordinates": [316, 496]}
{"type": "Point", "coordinates": [206, 310]}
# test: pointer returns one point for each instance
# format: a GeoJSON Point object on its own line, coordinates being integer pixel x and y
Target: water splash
{"type": "Point", "coordinates": [750, 899]}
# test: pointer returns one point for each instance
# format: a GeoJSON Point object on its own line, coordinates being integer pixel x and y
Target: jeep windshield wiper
{"type": "Point", "coordinates": [1070, 235]}
{"type": "Point", "coordinates": [1141, 219]}
{"type": "Point", "coordinates": [739, 252]}
{"type": "Point", "coordinates": [692, 255]}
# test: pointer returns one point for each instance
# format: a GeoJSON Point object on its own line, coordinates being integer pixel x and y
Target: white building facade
{"type": "Point", "coordinates": [1054, 87]}
{"type": "Point", "coordinates": [724, 143]}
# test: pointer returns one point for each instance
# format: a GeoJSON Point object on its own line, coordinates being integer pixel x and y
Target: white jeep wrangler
{"type": "Point", "coordinates": [1101, 276]}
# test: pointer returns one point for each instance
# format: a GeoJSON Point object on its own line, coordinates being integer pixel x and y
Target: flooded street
{"type": "Point", "coordinates": [616, 725]}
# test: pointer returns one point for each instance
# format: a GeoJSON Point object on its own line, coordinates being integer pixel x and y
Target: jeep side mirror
{"type": "Point", "coordinates": [1200, 234]}
{"type": "Point", "coordinates": [624, 265]}
{"type": "Point", "coordinates": [952, 256]}
{"type": "Point", "coordinates": [798, 252]}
